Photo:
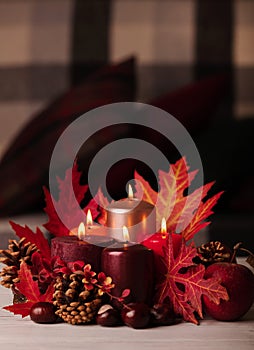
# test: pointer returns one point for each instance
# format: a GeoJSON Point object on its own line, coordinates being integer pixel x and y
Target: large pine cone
{"type": "Point", "coordinates": [74, 303]}
{"type": "Point", "coordinates": [12, 257]}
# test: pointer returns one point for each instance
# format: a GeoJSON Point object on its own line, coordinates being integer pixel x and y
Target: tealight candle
{"type": "Point", "coordinates": [80, 247]}
{"type": "Point", "coordinates": [139, 216]}
{"type": "Point", "coordinates": [131, 266]}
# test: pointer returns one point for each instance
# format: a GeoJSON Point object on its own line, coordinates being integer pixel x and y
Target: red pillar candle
{"type": "Point", "coordinates": [158, 242]}
{"type": "Point", "coordinates": [131, 266]}
{"type": "Point", "coordinates": [87, 249]}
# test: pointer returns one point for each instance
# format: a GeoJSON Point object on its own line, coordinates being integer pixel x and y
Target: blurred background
{"type": "Point", "coordinates": [192, 58]}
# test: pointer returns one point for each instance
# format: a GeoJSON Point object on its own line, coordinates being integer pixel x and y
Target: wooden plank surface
{"type": "Point", "coordinates": [23, 334]}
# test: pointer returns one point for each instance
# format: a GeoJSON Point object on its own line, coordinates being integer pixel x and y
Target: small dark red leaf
{"type": "Point", "coordinates": [76, 265]}
{"type": "Point", "coordinates": [125, 293]}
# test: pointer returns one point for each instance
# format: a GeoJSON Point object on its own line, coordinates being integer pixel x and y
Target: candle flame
{"type": "Point", "coordinates": [163, 228]}
{"type": "Point", "coordinates": [126, 235]}
{"type": "Point", "coordinates": [89, 219]}
{"type": "Point", "coordinates": [81, 230]}
{"type": "Point", "coordinates": [130, 192]}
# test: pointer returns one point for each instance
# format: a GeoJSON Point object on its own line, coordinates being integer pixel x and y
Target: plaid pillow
{"type": "Point", "coordinates": [24, 166]}
{"type": "Point", "coordinates": [194, 105]}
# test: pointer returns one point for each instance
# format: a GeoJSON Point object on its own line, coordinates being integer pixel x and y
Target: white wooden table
{"type": "Point", "coordinates": [23, 334]}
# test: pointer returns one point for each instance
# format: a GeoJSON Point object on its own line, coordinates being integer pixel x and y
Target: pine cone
{"type": "Point", "coordinates": [212, 252]}
{"type": "Point", "coordinates": [74, 303]}
{"type": "Point", "coordinates": [12, 258]}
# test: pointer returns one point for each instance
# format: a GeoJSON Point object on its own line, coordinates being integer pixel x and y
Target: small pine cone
{"type": "Point", "coordinates": [12, 258]}
{"type": "Point", "coordinates": [213, 252]}
{"type": "Point", "coordinates": [74, 303]}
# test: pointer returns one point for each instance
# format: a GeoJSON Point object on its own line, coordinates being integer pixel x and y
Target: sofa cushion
{"type": "Point", "coordinates": [24, 166]}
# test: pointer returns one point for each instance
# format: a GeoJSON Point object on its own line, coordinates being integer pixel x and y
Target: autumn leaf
{"type": "Point", "coordinates": [125, 293]}
{"type": "Point", "coordinates": [170, 199]}
{"type": "Point", "coordinates": [20, 309]}
{"type": "Point", "coordinates": [203, 212]}
{"type": "Point", "coordinates": [184, 213]}
{"type": "Point", "coordinates": [144, 190]}
{"type": "Point", "coordinates": [103, 203]}
{"type": "Point", "coordinates": [29, 288]}
{"type": "Point", "coordinates": [54, 225]}
{"type": "Point", "coordinates": [36, 238]}
{"type": "Point", "coordinates": [66, 206]}
{"type": "Point", "coordinates": [184, 283]}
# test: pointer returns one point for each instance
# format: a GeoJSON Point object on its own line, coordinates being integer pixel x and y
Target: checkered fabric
{"type": "Point", "coordinates": [47, 46]}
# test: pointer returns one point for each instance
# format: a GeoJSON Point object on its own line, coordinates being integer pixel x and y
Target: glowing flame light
{"type": "Point", "coordinates": [126, 235]}
{"type": "Point", "coordinates": [130, 192]}
{"type": "Point", "coordinates": [81, 231]}
{"type": "Point", "coordinates": [89, 219]}
{"type": "Point", "coordinates": [163, 228]}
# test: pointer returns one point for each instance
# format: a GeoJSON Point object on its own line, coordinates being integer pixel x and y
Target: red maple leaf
{"type": "Point", "coordinates": [181, 211]}
{"type": "Point", "coordinates": [66, 204]}
{"type": "Point", "coordinates": [35, 238]}
{"type": "Point", "coordinates": [184, 283]}
{"type": "Point", "coordinates": [102, 203]}
{"type": "Point", "coordinates": [29, 288]}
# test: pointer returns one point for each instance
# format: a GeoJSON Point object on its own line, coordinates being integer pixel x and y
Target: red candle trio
{"type": "Point", "coordinates": [131, 266]}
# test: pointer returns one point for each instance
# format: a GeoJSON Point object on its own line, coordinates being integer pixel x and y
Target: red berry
{"type": "Point", "coordinates": [43, 312]}
{"type": "Point", "coordinates": [239, 282]}
{"type": "Point", "coordinates": [136, 315]}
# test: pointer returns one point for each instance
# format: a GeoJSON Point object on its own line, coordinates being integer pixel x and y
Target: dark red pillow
{"type": "Point", "coordinates": [194, 104]}
{"type": "Point", "coordinates": [24, 166]}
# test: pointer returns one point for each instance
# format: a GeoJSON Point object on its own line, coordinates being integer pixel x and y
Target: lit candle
{"type": "Point", "coordinates": [131, 266]}
{"type": "Point", "coordinates": [139, 216]}
{"type": "Point", "coordinates": [92, 228]}
{"type": "Point", "coordinates": [79, 246]}
{"type": "Point", "coordinates": [158, 242]}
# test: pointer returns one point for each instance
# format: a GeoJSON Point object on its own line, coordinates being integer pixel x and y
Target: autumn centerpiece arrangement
{"type": "Point", "coordinates": [96, 273]}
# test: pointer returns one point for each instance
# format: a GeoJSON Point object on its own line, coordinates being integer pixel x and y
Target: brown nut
{"type": "Point", "coordinates": [43, 312]}
{"type": "Point", "coordinates": [108, 317]}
